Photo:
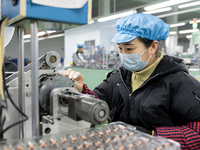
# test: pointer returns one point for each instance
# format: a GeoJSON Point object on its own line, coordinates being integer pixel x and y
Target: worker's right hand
{"type": "Point", "coordinates": [76, 77]}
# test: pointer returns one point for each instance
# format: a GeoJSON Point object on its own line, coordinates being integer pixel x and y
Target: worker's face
{"type": "Point", "coordinates": [80, 49]}
{"type": "Point", "coordinates": [134, 47]}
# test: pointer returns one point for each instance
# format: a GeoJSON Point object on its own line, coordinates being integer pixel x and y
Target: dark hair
{"type": "Point", "coordinates": [146, 42]}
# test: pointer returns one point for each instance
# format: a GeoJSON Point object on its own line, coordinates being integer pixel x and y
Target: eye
{"type": "Point", "coordinates": [129, 49]}
{"type": "Point", "coordinates": [120, 48]}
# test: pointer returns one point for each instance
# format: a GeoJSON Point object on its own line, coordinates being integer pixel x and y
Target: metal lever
{"type": "Point", "coordinates": [48, 119]}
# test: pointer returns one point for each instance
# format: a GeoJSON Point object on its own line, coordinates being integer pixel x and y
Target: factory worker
{"type": "Point", "coordinates": [78, 57]}
{"type": "Point", "coordinates": [152, 91]}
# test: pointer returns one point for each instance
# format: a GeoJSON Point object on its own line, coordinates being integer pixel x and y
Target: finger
{"type": "Point", "coordinates": [76, 75]}
{"type": "Point", "coordinates": [71, 74]}
{"type": "Point", "coordinates": [76, 83]}
{"type": "Point", "coordinates": [67, 72]}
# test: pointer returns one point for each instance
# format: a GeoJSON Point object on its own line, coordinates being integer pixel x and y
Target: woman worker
{"type": "Point", "coordinates": [152, 91]}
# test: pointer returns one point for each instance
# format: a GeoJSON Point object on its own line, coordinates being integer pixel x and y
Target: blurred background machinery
{"type": "Point", "coordinates": [97, 57]}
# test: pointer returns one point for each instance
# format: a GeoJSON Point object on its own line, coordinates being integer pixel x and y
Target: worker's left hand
{"type": "Point", "coordinates": [76, 77]}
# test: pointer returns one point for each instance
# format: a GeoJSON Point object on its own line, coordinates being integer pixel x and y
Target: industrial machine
{"type": "Point", "coordinates": [45, 110]}
{"type": "Point", "coordinates": [39, 78]}
{"type": "Point", "coordinates": [61, 109]}
{"type": "Point", "coordinates": [61, 106]}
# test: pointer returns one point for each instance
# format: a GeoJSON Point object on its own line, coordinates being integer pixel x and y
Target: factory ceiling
{"type": "Point", "coordinates": [184, 12]}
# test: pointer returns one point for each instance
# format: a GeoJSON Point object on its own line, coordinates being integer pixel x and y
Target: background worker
{"type": "Point", "coordinates": [78, 57]}
{"type": "Point", "coordinates": [152, 91]}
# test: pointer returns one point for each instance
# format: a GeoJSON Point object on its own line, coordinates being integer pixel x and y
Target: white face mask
{"type": "Point", "coordinates": [133, 62]}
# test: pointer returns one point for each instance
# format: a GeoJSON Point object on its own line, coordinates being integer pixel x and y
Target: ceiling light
{"type": "Point", "coordinates": [191, 22]}
{"type": "Point", "coordinates": [116, 16]}
{"type": "Point", "coordinates": [158, 10]}
{"type": "Point", "coordinates": [189, 36]}
{"type": "Point", "coordinates": [172, 32]}
{"type": "Point", "coordinates": [51, 31]}
{"type": "Point", "coordinates": [188, 31]}
{"type": "Point", "coordinates": [165, 4]}
{"type": "Point", "coordinates": [41, 33]}
{"type": "Point", "coordinates": [177, 24]}
{"type": "Point", "coordinates": [189, 5]}
{"type": "Point", "coordinates": [27, 36]}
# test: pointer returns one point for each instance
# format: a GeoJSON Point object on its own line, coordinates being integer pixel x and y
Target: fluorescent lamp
{"type": "Point", "coordinates": [165, 4]}
{"type": "Point", "coordinates": [188, 31]}
{"type": "Point", "coordinates": [177, 24]}
{"type": "Point", "coordinates": [158, 10]}
{"type": "Point", "coordinates": [189, 36]}
{"type": "Point", "coordinates": [191, 22]}
{"type": "Point", "coordinates": [51, 31]}
{"type": "Point", "coordinates": [27, 36]}
{"type": "Point", "coordinates": [115, 16]}
{"type": "Point", "coordinates": [39, 33]}
{"type": "Point", "coordinates": [189, 5]}
{"type": "Point", "coordinates": [172, 32]}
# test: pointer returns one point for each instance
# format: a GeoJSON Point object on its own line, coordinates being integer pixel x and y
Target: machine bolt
{"type": "Point", "coordinates": [53, 59]}
{"type": "Point", "coordinates": [47, 130]}
{"type": "Point", "coordinates": [102, 113]}
{"type": "Point", "coordinates": [28, 94]}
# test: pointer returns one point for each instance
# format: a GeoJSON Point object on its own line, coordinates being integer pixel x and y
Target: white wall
{"type": "Point", "coordinates": [102, 33]}
{"type": "Point", "coordinates": [53, 44]}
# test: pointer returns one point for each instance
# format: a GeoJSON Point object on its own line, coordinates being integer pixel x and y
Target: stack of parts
{"type": "Point", "coordinates": [113, 136]}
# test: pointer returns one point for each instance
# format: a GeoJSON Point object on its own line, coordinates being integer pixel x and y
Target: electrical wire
{"type": "Point", "coordinates": [3, 24]}
{"type": "Point", "coordinates": [3, 108]}
{"type": "Point", "coordinates": [2, 92]}
{"type": "Point", "coordinates": [13, 103]}
{"type": "Point", "coordinates": [4, 88]}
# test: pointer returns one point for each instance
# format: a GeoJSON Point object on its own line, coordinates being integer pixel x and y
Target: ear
{"type": "Point", "coordinates": [153, 47]}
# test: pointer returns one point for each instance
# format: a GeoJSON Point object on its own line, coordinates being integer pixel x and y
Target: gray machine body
{"type": "Point", "coordinates": [62, 108]}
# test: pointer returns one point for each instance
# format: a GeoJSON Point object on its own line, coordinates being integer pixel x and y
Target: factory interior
{"type": "Point", "coordinates": [63, 83]}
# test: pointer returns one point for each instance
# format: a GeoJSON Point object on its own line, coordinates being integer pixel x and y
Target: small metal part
{"type": "Point", "coordinates": [31, 146]}
{"type": "Point", "coordinates": [42, 144]}
{"type": "Point", "coordinates": [63, 140]}
{"type": "Point", "coordinates": [53, 59]}
{"type": "Point", "coordinates": [47, 130]}
{"type": "Point", "coordinates": [19, 147]}
{"type": "Point", "coordinates": [53, 142]}
{"type": "Point", "coordinates": [48, 119]}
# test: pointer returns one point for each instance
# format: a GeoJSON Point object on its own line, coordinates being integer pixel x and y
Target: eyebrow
{"type": "Point", "coordinates": [126, 44]}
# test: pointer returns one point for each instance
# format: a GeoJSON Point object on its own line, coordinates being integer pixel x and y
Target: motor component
{"type": "Point", "coordinates": [47, 83]}
{"type": "Point", "coordinates": [85, 107]}
{"type": "Point", "coordinates": [49, 60]}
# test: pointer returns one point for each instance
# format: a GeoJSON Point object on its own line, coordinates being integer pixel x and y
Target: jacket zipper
{"type": "Point", "coordinates": [125, 84]}
{"type": "Point", "coordinates": [130, 93]}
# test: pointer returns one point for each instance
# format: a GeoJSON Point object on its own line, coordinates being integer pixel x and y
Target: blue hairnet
{"type": "Point", "coordinates": [142, 25]}
{"type": "Point", "coordinates": [100, 45]}
{"type": "Point", "coordinates": [80, 45]}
